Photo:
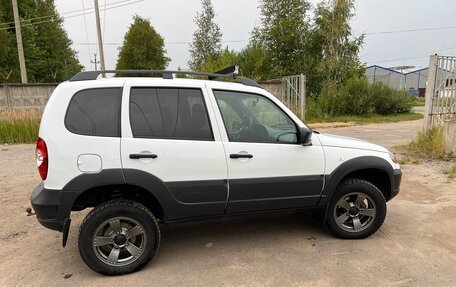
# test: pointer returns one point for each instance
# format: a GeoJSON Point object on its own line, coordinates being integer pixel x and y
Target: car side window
{"type": "Point", "coordinates": [254, 118]}
{"type": "Point", "coordinates": [95, 112]}
{"type": "Point", "coordinates": [171, 113]}
{"type": "Point", "coordinates": [233, 120]}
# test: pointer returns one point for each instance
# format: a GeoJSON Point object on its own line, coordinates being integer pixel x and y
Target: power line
{"type": "Point", "coordinates": [72, 16]}
{"type": "Point", "coordinates": [409, 30]}
{"type": "Point", "coordinates": [64, 13]}
{"type": "Point", "coordinates": [129, 2]}
{"type": "Point", "coordinates": [413, 57]}
{"type": "Point", "coordinates": [167, 43]}
{"type": "Point", "coordinates": [448, 31]}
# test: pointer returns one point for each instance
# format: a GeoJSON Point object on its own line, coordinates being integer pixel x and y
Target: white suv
{"type": "Point", "coordinates": [144, 151]}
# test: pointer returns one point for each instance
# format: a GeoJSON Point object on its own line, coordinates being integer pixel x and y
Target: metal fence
{"type": "Point", "coordinates": [294, 94]}
{"type": "Point", "coordinates": [440, 91]}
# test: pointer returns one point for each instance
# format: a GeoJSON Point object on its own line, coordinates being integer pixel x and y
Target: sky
{"type": "Point", "coordinates": [380, 21]}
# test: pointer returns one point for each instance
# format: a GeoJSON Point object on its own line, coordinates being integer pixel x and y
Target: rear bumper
{"type": "Point", "coordinates": [52, 207]}
{"type": "Point", "coordinates": [397, 177]}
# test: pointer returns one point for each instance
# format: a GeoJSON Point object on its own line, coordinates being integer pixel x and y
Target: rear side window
{"type": "Point", "coordinates": [170, 113]}
{"type": "Point", "coordinates": [95, 112]}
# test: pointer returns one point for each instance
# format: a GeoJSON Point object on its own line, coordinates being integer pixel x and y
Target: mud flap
{"type": "Point", "coordinates": [65, 230]}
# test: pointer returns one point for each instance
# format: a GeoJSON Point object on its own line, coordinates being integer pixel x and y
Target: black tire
{"type": "Point", "coordinates": [362, 218]}
{"type": "Point", "coordinates": [101, 224]}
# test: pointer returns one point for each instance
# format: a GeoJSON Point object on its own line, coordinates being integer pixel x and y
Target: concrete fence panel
{"type": "Point", "coordinates": [273, 86]}
{"type": "Point", "coordinates": [25, 96]}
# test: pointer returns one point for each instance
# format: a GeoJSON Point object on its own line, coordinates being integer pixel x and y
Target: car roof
{"type": "Point", "coordinates": [229, 73]}
{"type": "Point", "coordinates": [182, 82]}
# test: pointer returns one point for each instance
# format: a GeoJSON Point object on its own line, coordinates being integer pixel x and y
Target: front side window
{"type": "Point", "coordinates": [254, 118]}
{"type": "Point", "coordinates": [170, 113]}
{"type": "Point", "coordinates": [95, 112]}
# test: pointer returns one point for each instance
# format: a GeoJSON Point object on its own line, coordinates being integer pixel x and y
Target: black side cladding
{"type": "Point", "coordinates": [181, 200]}
{"type": "Point", "coordinates": [177, 199]}
{"type": "Point", "coordinates": [52, 207]}
{"type": "Point", "coordinates": [274, 193]}
{"type": "Point", "coordinates": [360, 163]}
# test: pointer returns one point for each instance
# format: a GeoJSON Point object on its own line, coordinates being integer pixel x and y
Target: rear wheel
{"type": "Point", "coordinates": [357, 210]}
{"type": "Point", "coordinates": [118, 237]}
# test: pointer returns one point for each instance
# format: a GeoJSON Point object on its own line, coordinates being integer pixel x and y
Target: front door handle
{"type": "Point", "coordinates": [142, 155]}
{"type": "Point", "coordinates": [241, 155]}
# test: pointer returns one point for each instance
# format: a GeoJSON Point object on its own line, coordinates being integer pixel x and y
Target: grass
{"type": "Point", "coordinates": [419, 102]}
{"type": "Point", "coordinates": [409, 160]}
{"type": "Point", "coordinates": [19, 126]}
{"type": "Point", "coordinates": [450, 171]}
{"type": "Point", "coordinates": [315, 114]}
{"type": "Point", "coordinates": [365, 119]}
{"type": "Point", "coordinates": [428, 144]}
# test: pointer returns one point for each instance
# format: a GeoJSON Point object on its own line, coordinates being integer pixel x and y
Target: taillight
{"type": "Point", "coordinates": [41, 155]}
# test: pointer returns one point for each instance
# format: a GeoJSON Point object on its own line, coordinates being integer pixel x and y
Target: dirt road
{"type": "Point", "coordinates": [387, 135]}
{"type": "Point", "coordinates": [415, 247]}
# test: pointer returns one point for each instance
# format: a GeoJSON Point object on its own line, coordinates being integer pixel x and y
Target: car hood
{"type": "Point", "coordinates": [346, 142]}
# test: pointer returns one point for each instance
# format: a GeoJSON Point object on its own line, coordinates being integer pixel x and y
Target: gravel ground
{"type": "Point", "coordinates": [416, 246]}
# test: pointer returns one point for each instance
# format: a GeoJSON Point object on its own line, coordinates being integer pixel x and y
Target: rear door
{"type": "Point", "coordinates": [168, 132]}
{"type": "Point", "coordinates": [268, 168]}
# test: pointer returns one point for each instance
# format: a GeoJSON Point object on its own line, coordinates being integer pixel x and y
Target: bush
{"type": "Point", "coordinates": [312, 108]}
{"type": "Point", "coordinates": [352, 98]}
{"type": "Point", "coordinates": [358, 97]}
{"type": "Point", "coordinates": [387, 100]}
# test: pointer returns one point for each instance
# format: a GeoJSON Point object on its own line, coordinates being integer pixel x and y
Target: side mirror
{"type": "Point", "coordinates": [305, 136]}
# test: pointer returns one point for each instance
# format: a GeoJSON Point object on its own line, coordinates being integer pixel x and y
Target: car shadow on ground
{"type": "Point", "coordinates": [234, 235]}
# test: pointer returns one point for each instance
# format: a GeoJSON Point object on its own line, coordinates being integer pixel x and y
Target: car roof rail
{"type": "Point", "coordinates": [227, 73]}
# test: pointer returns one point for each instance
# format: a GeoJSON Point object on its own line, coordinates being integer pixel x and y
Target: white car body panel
{"type": "Point", "coordinates": [269, 159]}
{"type": "Point", "coordinates": [64, 149]}
{"type": "Point", "coordinates": [188, 160]}
{"type": "Point", "coordinates": [339, 149]}
{"type": "Point", "coordinates": [178, 160]}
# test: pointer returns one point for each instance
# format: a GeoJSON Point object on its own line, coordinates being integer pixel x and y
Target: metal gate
{"type": "Point", "coordinates": [294, 94]}
{"type": "Point", "coordinates": [440, 91]}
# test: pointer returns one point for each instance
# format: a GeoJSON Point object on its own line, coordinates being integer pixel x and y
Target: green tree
{"type": "Point", "coordinates": [206, 39]}
{"type": "Point", "coordinates": [334, 48]}
{"type": "Point", "coordinates": [252, 60]}
{"type": "Point", "coordinates": [225, 59]}
{"type": "Point", "coordinates": [47, 48]}
{"type": "Point", "coordinates": [142, 48]}
{"type": "Point", "coordinates": [282, 33]}
{"type": "Point", "coordinates": [5, 50]}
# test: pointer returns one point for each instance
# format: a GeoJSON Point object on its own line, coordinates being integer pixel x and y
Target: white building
{"type": "Point", "coordinates": [404, 79]}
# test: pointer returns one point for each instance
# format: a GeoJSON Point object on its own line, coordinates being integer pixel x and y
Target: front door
{"type": "Point", "coordinates": [167, 133]}
{"type": "Point", "coordinates": [268, 169]}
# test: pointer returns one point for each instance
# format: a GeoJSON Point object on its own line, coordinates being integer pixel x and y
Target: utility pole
{"type": "Point", "coordinates": [100, 40]}
{"type": "Point", "coordinates": [95, 61]}
{"type": "Point", "coordinates": [20, 48]}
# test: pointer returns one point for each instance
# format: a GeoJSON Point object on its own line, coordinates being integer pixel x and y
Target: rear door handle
{"type": "Point", "coordinates": [142, 155]}
{"type": "Point", "coordinates": [241, 155]}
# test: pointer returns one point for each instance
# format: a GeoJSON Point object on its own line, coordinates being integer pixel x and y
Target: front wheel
{"type": "Point", "coordinates": [357, 210]}
{"type": "Point", "coordinates": [118, 237]}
